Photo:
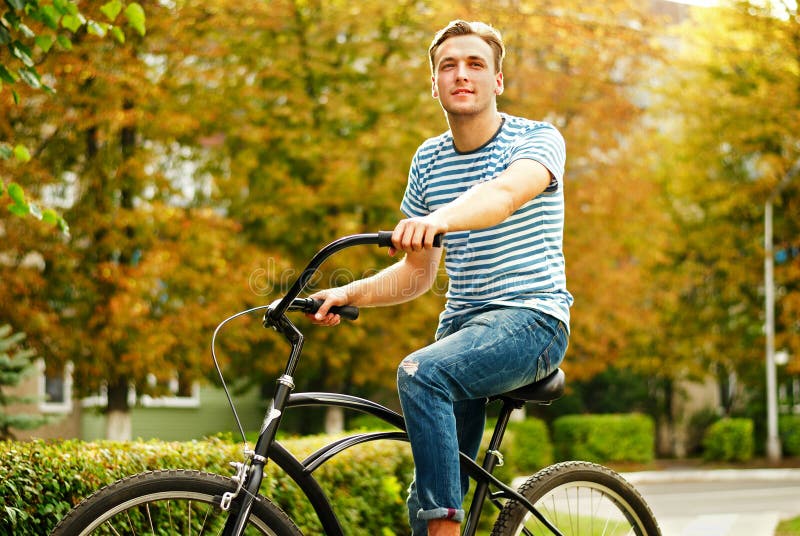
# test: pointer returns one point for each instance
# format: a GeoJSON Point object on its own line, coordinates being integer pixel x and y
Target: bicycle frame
{"type": "Point", "coordinates": [302, 472]}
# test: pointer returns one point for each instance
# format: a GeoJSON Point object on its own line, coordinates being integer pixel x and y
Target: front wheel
{"type": "Point", "coordinates": [168, 503]}
{"type": "Point", "coordinates": [578, 498]}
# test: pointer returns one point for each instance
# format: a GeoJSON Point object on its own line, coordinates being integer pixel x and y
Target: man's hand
{"type": "Point", "coordinates": [329, 297]}
{"type": "Point", "coordinates": [416, 234]}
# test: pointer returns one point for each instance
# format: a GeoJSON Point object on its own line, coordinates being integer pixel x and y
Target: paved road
{"type": "Point", "coordinates": [720, 503]}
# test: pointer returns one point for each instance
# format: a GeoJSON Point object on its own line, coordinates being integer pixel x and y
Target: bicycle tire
{"type": "Point", "coordinates": [578, 498]}
{"type": "Point", "coordinates": [168, 502]}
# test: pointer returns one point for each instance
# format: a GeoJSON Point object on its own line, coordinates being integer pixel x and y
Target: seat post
{"type": "Point", "coordinates": [492, 459]}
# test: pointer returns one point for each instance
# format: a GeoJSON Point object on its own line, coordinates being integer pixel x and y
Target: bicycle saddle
{"type": "Point", "coordinates": [541, 391]}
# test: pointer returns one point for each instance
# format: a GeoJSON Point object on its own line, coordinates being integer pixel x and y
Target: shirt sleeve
{"type": "Point", "coordinates": [544, 144]}
{"type": "Point", "coordinates": [413, 204]}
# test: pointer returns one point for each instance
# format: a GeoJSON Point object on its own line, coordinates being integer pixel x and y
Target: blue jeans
{"type": "Point", "coordinates": [443, 389]}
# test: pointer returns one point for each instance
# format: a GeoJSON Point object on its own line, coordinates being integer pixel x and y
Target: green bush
{"type": "Point", "coordinates": [789, 426]}
{"type": "Point", "coordinates": [40, 482]}
{"type": "Point", "coordinates": [529, 446]}
{"type": "Point", "coordinates": [729, 440]}
{"type": "Point", "coordinates": [604, 438]}
{"type": "Point", "coordinates": [699, 422]}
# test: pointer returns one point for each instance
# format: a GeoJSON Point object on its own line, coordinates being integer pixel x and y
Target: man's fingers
{"type": "Point", "coordinates": [322, 312]}
{"type": "Point", "coordinates": [411, 235]}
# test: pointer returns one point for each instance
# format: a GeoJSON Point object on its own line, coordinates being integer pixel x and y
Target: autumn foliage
{"type": "Point", "coordinates": [200, 165]}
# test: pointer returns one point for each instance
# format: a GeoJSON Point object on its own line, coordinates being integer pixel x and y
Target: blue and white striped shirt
{"type": "Point", "coordinates": [518, 262]}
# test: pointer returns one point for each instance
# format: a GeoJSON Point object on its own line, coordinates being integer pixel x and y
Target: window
{"type": "Point", "coordinates": [174, 393]}
{"type": "Point", "coordinates": [55, 388]}
{"type": "Point", "coordinates": [179, 394]}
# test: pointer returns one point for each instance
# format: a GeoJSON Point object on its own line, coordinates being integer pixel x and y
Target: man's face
{"type": "Point", "coordinates": [464, 80]}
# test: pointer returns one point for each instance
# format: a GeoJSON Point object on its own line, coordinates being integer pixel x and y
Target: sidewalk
{"type": "Point", "coordinates": [710, 475]}
{"type": "Point", "coordinates": [708, 502]}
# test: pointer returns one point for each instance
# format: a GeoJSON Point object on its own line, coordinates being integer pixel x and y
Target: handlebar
{"type": "Point", "coordinates": [312, 305]}
{"type": "Point", "coordinates": [288, 302]}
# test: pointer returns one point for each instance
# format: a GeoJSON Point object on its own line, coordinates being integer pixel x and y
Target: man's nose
{"type": "Point", "coordinates": [461, 71]}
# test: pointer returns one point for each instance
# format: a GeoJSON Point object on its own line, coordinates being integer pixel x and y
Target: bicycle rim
{"type": "Point", "coordinates": [167, 503]}
{"type": "Point", "coordinates": [579, 499]}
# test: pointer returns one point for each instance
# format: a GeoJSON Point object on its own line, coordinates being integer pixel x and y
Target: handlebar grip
{"type": "Point", "coordinates": [348, 312]}
{"type": "Point", "coordinates": [385, 239]}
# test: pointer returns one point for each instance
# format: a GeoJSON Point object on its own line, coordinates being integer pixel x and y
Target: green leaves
{"type": "Point", "coordinates": [73, 22]}
{"type": "Point", "coordinates": [16, 4]}
{"type": "Point", "coordinates": [19, 38]}
{"type": "Point", "coordinates": [20, 205]}
{"type": "Point", "coordinates": [111, 9]}
{"type": "Point", "coordinates": [6, 75]}
{"type": "Point", "coordinates": [44, 42]}
{"type": "Point", "coordinates": [135, 15]}
{"type": "Point", "coordinates": [22, 53]}
{"type": "Point", "coordinates": [22, 154]}
{"type": "Point", "coordinates": [31, 77]}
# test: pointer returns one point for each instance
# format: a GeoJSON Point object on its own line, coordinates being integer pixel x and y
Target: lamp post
{"type": "Point", "coordinates": [773, 445]}
{"type": "Point", "coordinates": [773, 441]}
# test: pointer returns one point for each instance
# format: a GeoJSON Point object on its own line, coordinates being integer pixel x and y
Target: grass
{"type": "Point", "coordinates": [790, 527]}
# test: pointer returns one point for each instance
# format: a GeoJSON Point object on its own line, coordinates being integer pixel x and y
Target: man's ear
{"type": "Point", "coordinates": [434, 89]}
{"type": "Point", "coordinates": [498, 90]}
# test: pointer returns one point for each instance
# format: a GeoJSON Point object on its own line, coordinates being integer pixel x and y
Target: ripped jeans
{"type": "Point", "coordinates": [443, 389]}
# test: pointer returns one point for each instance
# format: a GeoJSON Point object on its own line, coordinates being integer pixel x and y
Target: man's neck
{"type": "Point", "coordinates": [471, 132]}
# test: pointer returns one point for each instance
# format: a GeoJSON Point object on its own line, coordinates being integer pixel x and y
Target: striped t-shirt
{"type": "Point", "coordinates": [518, 262]}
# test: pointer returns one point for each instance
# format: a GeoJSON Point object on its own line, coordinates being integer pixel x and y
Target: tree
{"type": "Point", "coordinates": [15, 364]}
{"type": "Point", "coordinates": [144, 259]}
{"type": "Point", "coordinates": [731, 123]}
{"type": "Point", "coordinates": [28, 26]}
{"type": "Point", "coordinates": [273, 128]}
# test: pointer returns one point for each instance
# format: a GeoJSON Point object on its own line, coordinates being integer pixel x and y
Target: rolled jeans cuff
{"type": "Point", "coordinates": [441, 513]}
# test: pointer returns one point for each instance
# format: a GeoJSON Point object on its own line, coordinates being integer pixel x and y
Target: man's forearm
{"type": "Point", "coordinates": [490, 203]}
{"type": "Point", "coordinates": [482, 206]}
{"type": "Point", "coordinates": [401, 282]}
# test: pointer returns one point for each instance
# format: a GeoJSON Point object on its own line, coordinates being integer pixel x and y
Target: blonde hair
{"type": "Point", "coordinates": [482, 30]}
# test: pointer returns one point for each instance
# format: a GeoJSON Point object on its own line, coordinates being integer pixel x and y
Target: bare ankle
{"type": "Point", "coordinates": [443, 527]}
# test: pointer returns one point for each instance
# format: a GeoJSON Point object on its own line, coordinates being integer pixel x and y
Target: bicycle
{"type": "Point", "coordinates": [565, 499]}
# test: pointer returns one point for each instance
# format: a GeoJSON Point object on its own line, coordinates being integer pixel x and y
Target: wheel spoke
{"type": "Point", "coordinates": [150, 519]}
{"type": "Point", "coordinates": [578, 499]}
{"type": "Point", "coordinates": [170, 502]}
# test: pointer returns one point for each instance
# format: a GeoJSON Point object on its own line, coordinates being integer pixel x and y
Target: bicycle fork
{"type": "Point", "coordinates": [243, 502]}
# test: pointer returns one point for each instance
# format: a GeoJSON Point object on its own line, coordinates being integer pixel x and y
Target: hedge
{"type": "Point", "coordinates": [604, 438]}
{"type": "Point", "coordinates": [729, 440]}
{"type": "Point", "coordinates": [529, 446]}
{"type": "Point", "coordinates": [789, 426]}
{"type": "Point", "coordinates": [40, 482]}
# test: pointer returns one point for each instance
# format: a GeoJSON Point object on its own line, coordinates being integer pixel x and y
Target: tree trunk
{"type": "Point", "coordinates": [118, 425]}
{"type": "Point", "coordinates": [118, 412]}
{"type": "Point", "coordinates": [334, 420]}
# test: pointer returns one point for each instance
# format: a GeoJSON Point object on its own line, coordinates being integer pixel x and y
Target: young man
{"type": "Point", "coordinates": [493, 185]}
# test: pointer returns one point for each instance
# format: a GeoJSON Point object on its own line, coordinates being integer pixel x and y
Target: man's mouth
{"type": "Point", "coordinates": [462, 91]}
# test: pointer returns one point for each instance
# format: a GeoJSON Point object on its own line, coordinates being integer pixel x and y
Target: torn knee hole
{"type": "Point", "coordinates": [409, 367]}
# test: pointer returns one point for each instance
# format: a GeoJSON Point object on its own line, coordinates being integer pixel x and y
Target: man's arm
{"type": "Point", "coordinates": [484, 205]}
{"type": "Point", "coordinates": [406, 279]}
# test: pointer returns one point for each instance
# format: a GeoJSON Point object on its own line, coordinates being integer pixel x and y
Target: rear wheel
{"type": "Point", "coordinates": [168, 503]}
{"type": "Point", "coordinates": [579, 499]}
